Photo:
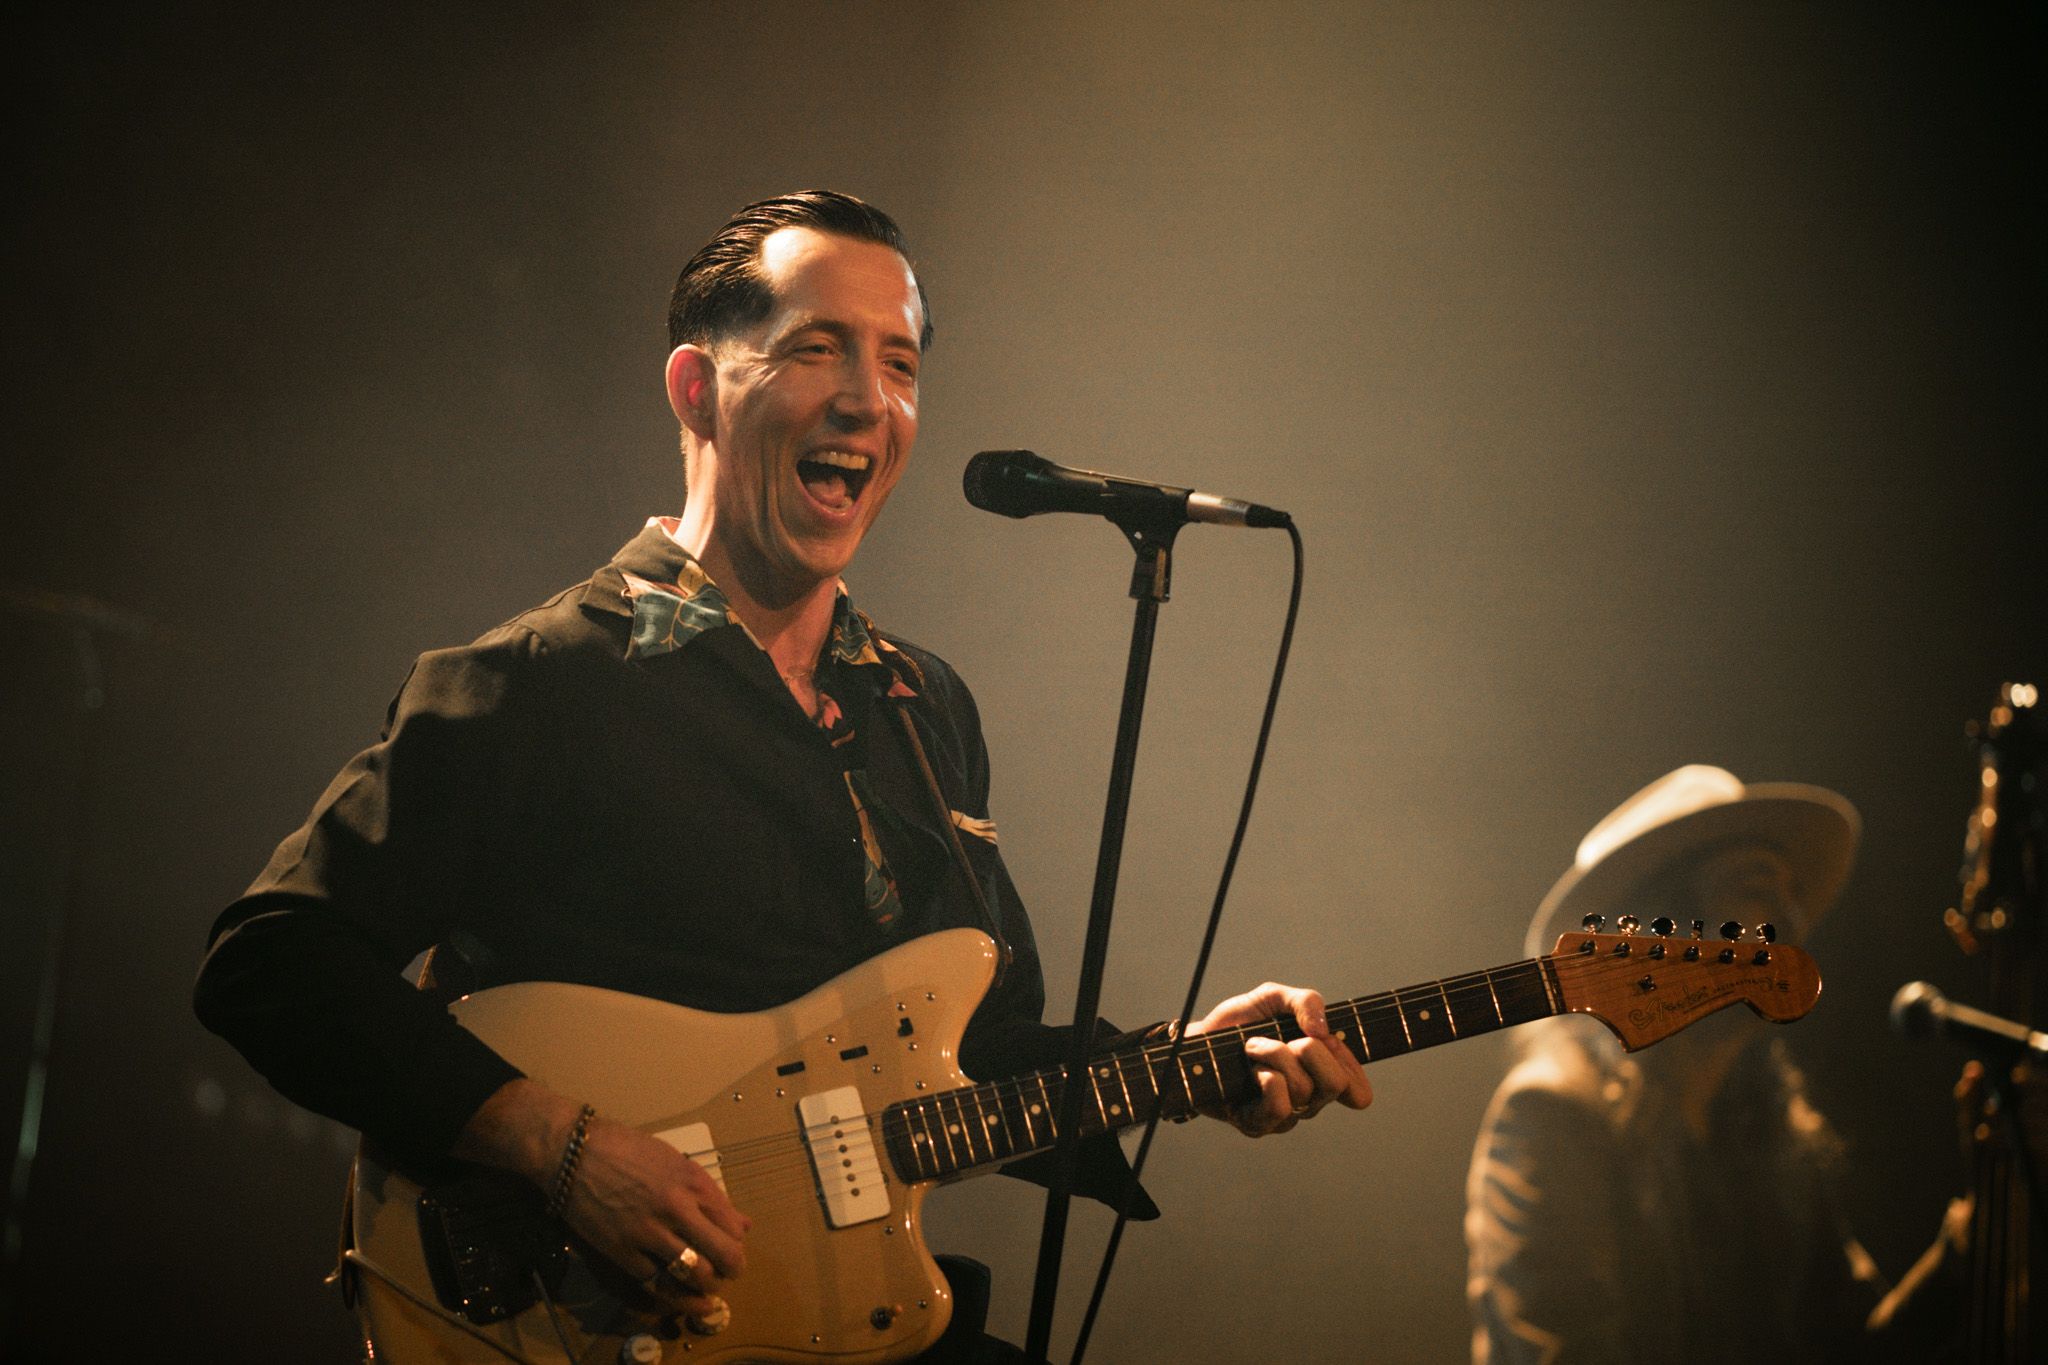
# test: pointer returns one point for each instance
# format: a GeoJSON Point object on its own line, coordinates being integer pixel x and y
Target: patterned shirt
{"type": "Point", "coordinates": [668, 616]}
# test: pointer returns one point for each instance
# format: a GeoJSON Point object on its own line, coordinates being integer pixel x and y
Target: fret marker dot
{"type": "Point", "coordinates": [1102, 1071]}
{"type": "Point", "coordinates": [1424, 1014]}
{"type": "Point", "coordinates": [1342, 1034]}
{"type": "Point", "coordinates": [1198, 1068]}
{"type": "Point", "coordinates": [989, 1119]}
{"type": "Point", "coordinates": [1116, 1109]}
{"type": "Point", "coordinates": [1036, 1110]}
{"type": "Point", "coordinates": [952, 1127]}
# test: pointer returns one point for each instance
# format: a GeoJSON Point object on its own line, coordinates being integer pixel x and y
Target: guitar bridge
{"type": "Point", "coordinates": [484, 1242]}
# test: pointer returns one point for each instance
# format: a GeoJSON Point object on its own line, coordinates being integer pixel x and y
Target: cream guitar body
{"type": "Point", "coordinates": [827, 1120]}
{"type": "Point", "coordinates": [728, 1088]}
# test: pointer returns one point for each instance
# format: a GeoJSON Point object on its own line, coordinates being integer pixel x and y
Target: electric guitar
{"type": "Point", "coordinates": [829, 1118]}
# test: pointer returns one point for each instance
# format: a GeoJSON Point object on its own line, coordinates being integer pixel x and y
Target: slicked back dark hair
{"type": "Point", "coordinates": [722, 289]}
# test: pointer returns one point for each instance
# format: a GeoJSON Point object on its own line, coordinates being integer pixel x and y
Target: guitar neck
{"type": "Point", "coordinates": [956, 1131]}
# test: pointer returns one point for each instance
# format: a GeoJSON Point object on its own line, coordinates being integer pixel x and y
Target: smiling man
{"type": "Point", "coordinates": [700, 776]}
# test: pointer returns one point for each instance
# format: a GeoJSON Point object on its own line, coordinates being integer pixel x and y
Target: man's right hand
{"type": "Point", "coordinates": [636, 1200]}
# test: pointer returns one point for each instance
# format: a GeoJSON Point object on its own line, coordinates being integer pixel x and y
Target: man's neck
{"type": "Point", "coordinates": [790, 623]}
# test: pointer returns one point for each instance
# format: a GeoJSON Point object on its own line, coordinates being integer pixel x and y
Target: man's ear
{"type": "Point", "coordinates": [693, 388]}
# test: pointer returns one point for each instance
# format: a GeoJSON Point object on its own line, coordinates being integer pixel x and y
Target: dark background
{"type": "Point", "coordinates": [1653, 384]}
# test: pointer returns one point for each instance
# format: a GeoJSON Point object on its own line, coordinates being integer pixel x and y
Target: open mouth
{"type": "Point", "coordinates": [835, 477]}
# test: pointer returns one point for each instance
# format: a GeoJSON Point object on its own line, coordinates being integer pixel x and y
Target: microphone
{"type": "Point", "coordinates": [1919, 1009]}
{"type": "Point", "coordinates": [1017, 483]}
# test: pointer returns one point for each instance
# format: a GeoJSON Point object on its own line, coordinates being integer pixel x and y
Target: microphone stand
{"type": "Point", "coordinates": [87, 621]}
{"type": "Point", "coordinates": [1151, 580]}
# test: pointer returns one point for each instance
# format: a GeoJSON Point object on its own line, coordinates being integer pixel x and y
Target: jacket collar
{"type": "Point", "coordinates": [672, 602]}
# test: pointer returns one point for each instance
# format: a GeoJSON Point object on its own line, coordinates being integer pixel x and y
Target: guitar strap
{"type": "Point", "coordinates": [944, 811]}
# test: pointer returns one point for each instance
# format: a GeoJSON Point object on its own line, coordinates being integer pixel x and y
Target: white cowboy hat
{"type": "Point", "coordinates": [1689, 811]}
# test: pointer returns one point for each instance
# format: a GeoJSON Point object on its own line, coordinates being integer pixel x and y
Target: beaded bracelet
{"type": "Point", "coordinates": [565, 1174]}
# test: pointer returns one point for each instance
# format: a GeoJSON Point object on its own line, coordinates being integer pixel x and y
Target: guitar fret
{"type": "Point", "coordinates": [1426, 1016]}
{"type": "Point", "coordinates": [1472, 1005]}
{"type": "Point", "coordinates": [1215, 1070]}
{"type": "Point", "coordinates": [1024, 1113]}
{"type": "Point", "coordinates": [1095, 1075]}
{"type": "Point", "coordinates": [1383, 1026]}
{"type": "Point", "coordinates": [1354, 1033]}
{"type": "Point", "coordinates": [1158, 1100]}
{"type": "Point", "coordinates": [954, 1127]}
{"type": "Point", "coordinates": [896, 1120]}
{"type": "Point", "coordinates": [923, 1110]}
{"type": "Point", "coordinates": [991, 1125]}
{"type": "Point", "coordinates": [1117, 1064]}
{"type": "Point", "coordinates": [1525, 992]}
{"type": "Point", "coordinates": [1187, 1083]}
{"type": "Point", "coordinates": [1494, 995]}
{"type": "Point", "coordinates": [977, 1126]}
{"type": "Point", "coordinates": [1052, 1109]}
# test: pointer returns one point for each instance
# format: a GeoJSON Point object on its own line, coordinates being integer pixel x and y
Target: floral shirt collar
{"type": "Point", "coordinates": [669, 615]}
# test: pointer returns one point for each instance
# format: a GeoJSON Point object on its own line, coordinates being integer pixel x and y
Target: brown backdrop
{"type": "Point", "coordinates": [1653, 384]}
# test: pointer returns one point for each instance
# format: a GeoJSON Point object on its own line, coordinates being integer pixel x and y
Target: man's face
{"type": "Point", "coordinates": [1750, 884]}
{"type": "Point", "coordinates": [816, 410]}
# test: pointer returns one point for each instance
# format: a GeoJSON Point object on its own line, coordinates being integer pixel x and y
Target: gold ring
{"type": "Point", "coordinates": [685, 1261]}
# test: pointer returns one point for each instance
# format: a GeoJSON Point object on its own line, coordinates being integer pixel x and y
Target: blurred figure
{"type": "Point", "coordinates": [1677, 1204]}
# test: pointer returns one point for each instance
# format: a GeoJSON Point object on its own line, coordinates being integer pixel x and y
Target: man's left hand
{"type": "Point", "coordinates": [1296, 1080]}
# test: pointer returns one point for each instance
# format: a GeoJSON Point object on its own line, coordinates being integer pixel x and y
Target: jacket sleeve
{"type": "Point", "coordinates": [304, 972]}
{"type": "Point", "coordinates": [1545, 1279]}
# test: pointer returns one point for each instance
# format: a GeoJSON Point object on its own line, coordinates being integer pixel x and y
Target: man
{"type": "Point", "coordinates": [1676, 1204]}
{"type": "Point", "coordinates": [699, 776]}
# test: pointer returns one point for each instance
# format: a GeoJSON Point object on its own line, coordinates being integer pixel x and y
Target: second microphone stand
{"type": "Point", "coordinates": [1151, 580]}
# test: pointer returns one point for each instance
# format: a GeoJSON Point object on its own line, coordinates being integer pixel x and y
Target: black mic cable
{"type": "Point", "coordinates": [1187, 1010]}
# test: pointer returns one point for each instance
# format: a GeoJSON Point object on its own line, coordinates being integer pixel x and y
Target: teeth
{"type": "Point", "coordinates": [840, 459]}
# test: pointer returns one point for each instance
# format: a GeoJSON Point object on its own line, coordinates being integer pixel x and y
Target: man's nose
{"type": "Point", "coordinates": [860, 401]}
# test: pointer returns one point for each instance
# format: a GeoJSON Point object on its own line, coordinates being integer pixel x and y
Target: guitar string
{"type": "Point", "coordinates": [1366, 1011]}
{"type": "Point", "coordinates": [781, 1173]}
{"type": "Point", "coordinates": [792, 1182]}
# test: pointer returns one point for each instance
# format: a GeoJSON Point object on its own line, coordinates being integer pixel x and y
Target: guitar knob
{"type": "Point", "coordinates": [1767, 931]}
{"type": "Point", "coordinates": [1730, 930]}
{"type": "Point", "coordinates": [640, 1349]}
{"type": "Point", "coordinates": [1662, 926]}
{"type": "Point", "coordinates": [1591, 923]}
{"type": "Point", "coordinates": [1628, 924]}
{"type": "Point", "coordinates": [712, 1323]}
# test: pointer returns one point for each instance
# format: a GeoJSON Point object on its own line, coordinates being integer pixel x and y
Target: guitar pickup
{"type": "Point", "coordinates": [843, 1156]}
{"type": "Point", "coordinates": [693, 1140]}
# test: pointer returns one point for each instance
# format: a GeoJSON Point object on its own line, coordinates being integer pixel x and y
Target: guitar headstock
{"type": "Point", "coordinates": [1647, 987]}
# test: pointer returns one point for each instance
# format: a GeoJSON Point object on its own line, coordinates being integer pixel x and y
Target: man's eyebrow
{"type": "Point", "coordinates": [841, 331]}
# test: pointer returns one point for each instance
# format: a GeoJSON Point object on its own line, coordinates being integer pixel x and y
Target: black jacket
{"type": "Point", "coordinates": [673, 826]}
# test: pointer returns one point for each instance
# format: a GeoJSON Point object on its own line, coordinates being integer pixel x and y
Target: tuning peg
{"type": "Point", "coordinates": [1591, 923]}
{"type": "Point", "coordinates": [1767, 931]}
{"type": "Point", "coordinates": [1662, 926]}
{"type": "Point", "coordinates": [1730, 930]}
{"type": "Point", "coordinates": [1628, 924]}
{"type": "Point", "coordinates": [1699, 928]}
